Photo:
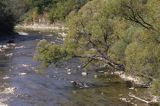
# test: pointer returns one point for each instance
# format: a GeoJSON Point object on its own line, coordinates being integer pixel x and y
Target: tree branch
{"type": "Point", "coordinates": [134, 16]}
{"type": "Point", "coordinates": [89, 61]}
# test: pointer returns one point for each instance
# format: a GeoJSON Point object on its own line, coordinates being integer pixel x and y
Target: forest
{"type": "Point", "coordinates": [118, 35]}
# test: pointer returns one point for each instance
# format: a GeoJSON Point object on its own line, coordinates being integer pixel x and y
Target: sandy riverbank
{"type": "Point", "coordinates": [42, 27]}
{"type": "Point", "coordinates": [137, 82]}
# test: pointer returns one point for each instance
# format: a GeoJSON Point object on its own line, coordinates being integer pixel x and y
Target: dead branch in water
{"type": "Point", "coordinates": [140, 99]}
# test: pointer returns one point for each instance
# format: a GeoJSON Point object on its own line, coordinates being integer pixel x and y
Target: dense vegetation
{"type": "Point", "coordinates": [117, 34]}
{"type": "Point", "coordinates": [51, 10]}
{"type": "Point", "coordinates": [6, 18]}
{"type": "Point", "coordinates": [35, 11]}
{"type": "Point", "coordinates": [10, 13]}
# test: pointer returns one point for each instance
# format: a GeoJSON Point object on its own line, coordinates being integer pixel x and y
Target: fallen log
{"type": "Point", "coordinates": [140, 99]}
{"type": "Point", "coordinates": [143, 100]}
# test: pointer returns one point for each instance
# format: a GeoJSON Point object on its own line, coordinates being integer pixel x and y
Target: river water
{"type": "Point", "coordinates": [21, 84]}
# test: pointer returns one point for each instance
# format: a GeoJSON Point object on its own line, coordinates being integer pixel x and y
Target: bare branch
{"type": "Point", "coordinates": [86, 64]}
{"type": "Point", "coordinates": [135, 16]}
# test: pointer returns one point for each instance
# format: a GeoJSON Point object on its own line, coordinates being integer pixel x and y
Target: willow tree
{"type": "Point", "coordinates": [120, 35]}
{"type": "Point", "coordinates": [89, 37]}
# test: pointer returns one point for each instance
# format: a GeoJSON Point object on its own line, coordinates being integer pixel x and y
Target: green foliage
{"type": "Point", "coordinates": [113, 31]}
{"type": "Point", "coordinates": [49, 53]}
{"type": "Point", "coordinates": [155, 88]}
{"type": "Point", "coordinates": [61, 10]}
{"type": "Point", "coordinates": [41, 5]}
{"type": "Point", "coordinates": [31, 16]}
{"type": "Point", "coordinates": [55, 9]}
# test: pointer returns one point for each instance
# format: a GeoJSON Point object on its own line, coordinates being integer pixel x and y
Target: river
{"type": "Point", "coordinates": [21, 84]}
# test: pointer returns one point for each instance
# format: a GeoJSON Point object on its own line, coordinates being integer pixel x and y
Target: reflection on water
{"type": "Point", "coordinates": [53, 87]}
{"type": "Point", "coordinates": [115, 94]}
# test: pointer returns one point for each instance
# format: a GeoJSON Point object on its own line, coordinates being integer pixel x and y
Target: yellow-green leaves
{"type": "Point", "coordinates": [49, 53]}
{"type": "Point", "coordinates": [116, 31]}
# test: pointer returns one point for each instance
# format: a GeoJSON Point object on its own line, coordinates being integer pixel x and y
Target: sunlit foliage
{"type": "Point", "coordinates": [54, 9]}
{"type": "Point", "coordinates": [120, 34]}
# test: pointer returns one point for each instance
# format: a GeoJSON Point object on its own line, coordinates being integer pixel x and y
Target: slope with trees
{"type": "Point", "coordinates": [51, 10]}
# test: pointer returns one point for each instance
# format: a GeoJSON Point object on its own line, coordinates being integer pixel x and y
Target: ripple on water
{"type": "Point", "coordinates": [53, 87]}
{"type": "Point", "coordinates": [22, 74]}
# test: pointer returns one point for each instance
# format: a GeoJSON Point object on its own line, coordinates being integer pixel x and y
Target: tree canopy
{"type": "Point", "coordinates": [117, 34]}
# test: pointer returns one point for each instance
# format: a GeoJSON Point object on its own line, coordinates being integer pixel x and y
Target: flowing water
{"type": "Point", "coordinates": [22, 85]}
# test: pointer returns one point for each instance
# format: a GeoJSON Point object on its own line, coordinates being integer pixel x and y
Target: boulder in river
{"type": "Point", "coordinates": [84, 73]}
{"type": "Point", "coordinates": [81, 84]}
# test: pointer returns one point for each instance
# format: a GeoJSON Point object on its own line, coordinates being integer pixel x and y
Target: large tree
{"type": "Point", "coordinates": [117, 34]}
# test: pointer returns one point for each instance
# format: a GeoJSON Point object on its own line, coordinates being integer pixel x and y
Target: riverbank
{"type": "Point", "coordinates": [57, 28]}
{"type": "Point", "coordinates": [136, 82]}
{"type": "Point", "coordinates": [42, 27]}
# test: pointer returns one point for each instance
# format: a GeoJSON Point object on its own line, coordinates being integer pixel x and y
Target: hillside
{"type": "Point", "coordinates": [49, 11]}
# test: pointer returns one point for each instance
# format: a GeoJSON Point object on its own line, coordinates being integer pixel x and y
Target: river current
{"type": "Point", "coordinates": [22, 84]}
